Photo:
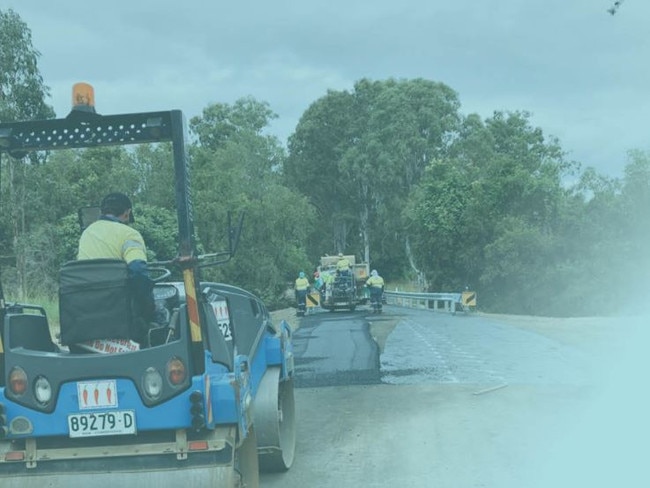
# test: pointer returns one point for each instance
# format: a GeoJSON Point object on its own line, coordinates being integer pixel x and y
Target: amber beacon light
{"type": "Point", "coordinates": [83, 98]}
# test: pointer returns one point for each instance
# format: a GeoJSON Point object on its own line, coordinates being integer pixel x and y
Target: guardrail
{"type": "Point", "coordinates": [448, 302]}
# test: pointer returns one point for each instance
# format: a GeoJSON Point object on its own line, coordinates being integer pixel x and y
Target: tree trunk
{"type": "Point", "coordinates": [421, 277]}
{"type": "Point", "coordinates": [364, 225]}
{"type": "Point", "coordinates": [17, 213]}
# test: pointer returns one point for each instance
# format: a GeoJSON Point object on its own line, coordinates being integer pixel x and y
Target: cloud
{"type": "Point", "coordinates": [581, 72]}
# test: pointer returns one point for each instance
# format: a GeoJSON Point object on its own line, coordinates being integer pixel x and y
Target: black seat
{"type": "Point", "coordinates": [28, 331]}
{"type": "Point", "coordinates": [95, 301]}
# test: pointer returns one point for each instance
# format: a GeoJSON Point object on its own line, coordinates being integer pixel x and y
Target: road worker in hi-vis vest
{"type": "Point", "coordinates": [301, 290]}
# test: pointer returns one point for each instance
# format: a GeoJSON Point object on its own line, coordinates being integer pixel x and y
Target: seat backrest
{"type": "Point", "coordinates": [28, 331]}
{"type": "Point", "coordinates": [94, 301]}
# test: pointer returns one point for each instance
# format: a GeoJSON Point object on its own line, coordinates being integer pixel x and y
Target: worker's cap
{"type": "Point", "coordinates": [340, 254]}
{"type": "Point", "coordinates": [116, 204]}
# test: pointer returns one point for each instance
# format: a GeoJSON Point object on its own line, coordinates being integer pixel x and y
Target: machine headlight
{"type": "Point", "coordinates": [42, 390]}
{"type": "Point", "coordinates": [152, 383]}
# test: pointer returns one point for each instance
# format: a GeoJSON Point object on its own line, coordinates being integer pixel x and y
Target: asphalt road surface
{"type": "Point", "coordinates": [413, 398]}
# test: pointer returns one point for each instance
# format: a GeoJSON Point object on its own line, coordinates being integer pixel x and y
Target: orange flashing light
{"type": "Point", "coordinates": [83, 97]}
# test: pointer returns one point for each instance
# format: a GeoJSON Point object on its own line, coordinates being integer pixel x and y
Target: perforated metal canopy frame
{"type": "Point", "coordinates": [85, 130]}
{"type": "Point", "coordinates": [82, 129]}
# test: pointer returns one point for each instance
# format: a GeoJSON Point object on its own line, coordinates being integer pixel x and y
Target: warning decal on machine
{"type": "Point", "coordinates": [220, 308]}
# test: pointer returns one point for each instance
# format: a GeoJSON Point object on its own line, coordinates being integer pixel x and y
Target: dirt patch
{"type": "Point", "coordinates": [287, 314]}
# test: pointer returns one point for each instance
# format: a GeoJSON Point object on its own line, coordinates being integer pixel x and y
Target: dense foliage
{"type": "Point", "coordinates": [455, 202]}
{"type": "Point", "coordinates": [390, 171]}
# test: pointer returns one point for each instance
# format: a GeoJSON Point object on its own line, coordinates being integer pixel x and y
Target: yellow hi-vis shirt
{"type": "Point", "coordinates": [302, 284]}
{"type": "Point", "coordinates": [111, 240]}
{"type": "Point", "coordinates": [375, 282]}
{"type": "Point", "coordinates": [343, 264]}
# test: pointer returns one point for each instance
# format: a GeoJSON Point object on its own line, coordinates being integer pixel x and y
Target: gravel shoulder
{"type": "Point", "coordinates": [288, 315]}
{"type": "Point", "coordinates": [592, 334]}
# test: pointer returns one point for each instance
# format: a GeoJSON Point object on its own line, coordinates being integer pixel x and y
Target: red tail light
{"type": "Point", "coordinates": [176, 372]}
{"type": "Point", "coordinates": [18, 381]}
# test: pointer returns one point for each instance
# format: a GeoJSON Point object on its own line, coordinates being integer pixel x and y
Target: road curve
{"type": "Point", "coordinates": [435, 400]}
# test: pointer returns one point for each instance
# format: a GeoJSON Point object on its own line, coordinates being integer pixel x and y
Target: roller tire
{"type": "Point", "coordinates": [275, 422]}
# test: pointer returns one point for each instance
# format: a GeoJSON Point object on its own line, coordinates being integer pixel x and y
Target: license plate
{"type": "Point", "coordinates": [118, 422]}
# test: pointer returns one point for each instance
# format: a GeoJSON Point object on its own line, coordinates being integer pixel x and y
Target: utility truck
{"type": "Point", "coordinates": [207, 400]}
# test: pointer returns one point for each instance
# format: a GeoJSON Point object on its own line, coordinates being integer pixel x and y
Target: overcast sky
{"type": "Point", "coordinates": [583, 74]}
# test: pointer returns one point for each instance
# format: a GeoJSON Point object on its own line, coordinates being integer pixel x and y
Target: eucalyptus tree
{"type": "Point", "coordinates": [634, 252]}
{"type": "Point", "coordinates": [324, 133]}
{"type": "Point", "coordinates": [237, 167]}
{"type": "Point", "coordinates": [70, 180]}
{"type": "Point", "coordinates": [22, 97]}
{"type": "Point", "coordinates": [486, 215]}
{"type": "Point", "coordinates": [586, 261]}
{"type": "Point", "coordinates": [22, 90]}
{"type": "Point", "coordinates": [356, 155]}
{"type": "Point", "coordinates": [154, 167]}
{"type": "Point", "coordinates": [410, 123]}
